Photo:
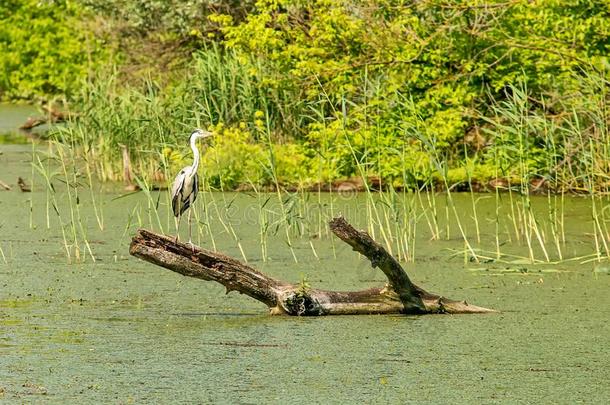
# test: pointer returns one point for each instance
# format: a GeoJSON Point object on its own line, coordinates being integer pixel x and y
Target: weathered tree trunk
{"type": "Point", "coordinates": [400, 295]}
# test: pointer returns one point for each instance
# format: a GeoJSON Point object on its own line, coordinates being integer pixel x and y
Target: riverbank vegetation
{"type": "Point", "coordinates": [472, 95]}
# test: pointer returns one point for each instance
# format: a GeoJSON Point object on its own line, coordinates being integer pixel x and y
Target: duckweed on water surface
{"type": "Point", "coordinates": [121, 329]}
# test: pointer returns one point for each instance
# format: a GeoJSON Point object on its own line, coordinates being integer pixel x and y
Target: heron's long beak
{"type": "Point", "coordinates": [198, 134]}
{"type": "Point", "coordinates": [204, 134]}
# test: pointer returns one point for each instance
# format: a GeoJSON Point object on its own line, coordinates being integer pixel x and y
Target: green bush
{"type": "Point", "coordinates": [45, 49]}
{"type": "Point", "coordinates": [405, 83]}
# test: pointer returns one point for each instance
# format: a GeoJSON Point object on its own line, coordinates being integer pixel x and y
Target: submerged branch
{"type": "Point", "coordinates": [399, 296]}
{"type": "Point", "coordinates": [23, 186]}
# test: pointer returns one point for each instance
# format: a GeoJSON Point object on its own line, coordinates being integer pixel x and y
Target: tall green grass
{"type": "Point", "coordinates": [270, 137]}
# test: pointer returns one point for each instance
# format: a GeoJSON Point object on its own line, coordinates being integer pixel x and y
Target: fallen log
{"type": "Point", "coordinates": [53, 116]}
{"type": "Point", "coordinates": [400, 295]}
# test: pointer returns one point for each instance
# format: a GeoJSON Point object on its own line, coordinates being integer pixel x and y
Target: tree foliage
{"type": "Point", "coordinates": [45, 49]}
{"type": "Point", "coordinates": [448, 56]}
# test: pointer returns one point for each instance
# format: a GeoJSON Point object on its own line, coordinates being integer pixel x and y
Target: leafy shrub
{"type": "Point", "coordinates": [44, 50]}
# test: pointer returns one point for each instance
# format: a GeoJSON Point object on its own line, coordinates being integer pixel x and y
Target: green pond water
{"type": "Point", "coordinates": [119, 330]}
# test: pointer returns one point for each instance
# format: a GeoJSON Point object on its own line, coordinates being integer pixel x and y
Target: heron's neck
{"type": "Point", "coordinates": [195, 154]}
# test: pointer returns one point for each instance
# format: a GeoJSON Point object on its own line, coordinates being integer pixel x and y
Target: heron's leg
{"type": "Point", "coordinates": [177, 222]}
{"type": "Point", "coordinates": [190, 229]}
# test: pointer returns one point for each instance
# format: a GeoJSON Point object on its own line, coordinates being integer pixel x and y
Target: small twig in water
{"type": "Point", "coordinates": [23, 186]}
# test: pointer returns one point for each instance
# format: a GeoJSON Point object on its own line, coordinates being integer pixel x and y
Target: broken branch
{"type": "Point", "coordinates": [399, 296]}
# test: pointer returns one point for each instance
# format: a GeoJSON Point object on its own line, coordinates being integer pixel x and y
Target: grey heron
{"type": "Point", "coordinates": [186, 184]}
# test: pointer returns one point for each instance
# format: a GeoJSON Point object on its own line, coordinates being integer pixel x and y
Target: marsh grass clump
{"type": "Point", "coordinates": [529, 152]}
{"type": "Point", "coordinates": [521, 227]}
{"type": "Point", "coordinates": [62, 183]}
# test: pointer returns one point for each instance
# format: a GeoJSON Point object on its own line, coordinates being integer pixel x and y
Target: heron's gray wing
{"type": "Point", "coordinates": [189, 191]}
{"type": "Point", "coordinates": [196, 189]}
{"type": "Point", "coordinates": [177, 190]}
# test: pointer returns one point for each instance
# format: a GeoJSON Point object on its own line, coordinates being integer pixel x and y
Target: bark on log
{"type": "Point", "coordinates": [400, 295]}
